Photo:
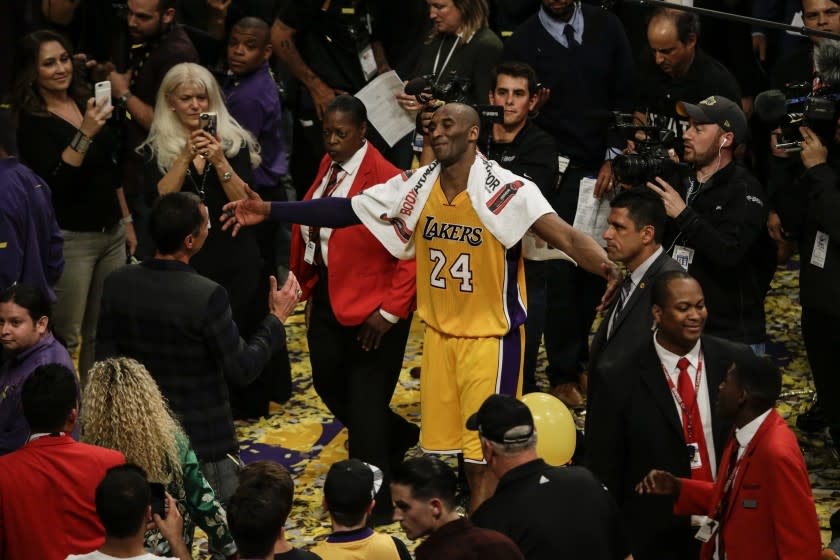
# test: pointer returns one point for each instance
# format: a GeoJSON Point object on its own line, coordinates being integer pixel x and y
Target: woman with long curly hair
{"type": "Point", "coordinates": [125, 411]}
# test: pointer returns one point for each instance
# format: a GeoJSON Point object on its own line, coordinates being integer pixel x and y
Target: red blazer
{"type": "Point", "coordinates": [363, 275]}
{"type": "Point", "coordinates": [47, 491]}
{"type": "Point", "coordinates": [771, 513]}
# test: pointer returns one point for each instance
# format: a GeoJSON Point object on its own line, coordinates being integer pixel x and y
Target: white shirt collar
{"type": "Point", "coordinates": [642, 269]}
{"type": "Point", "coordinates": [669, 359]}
{"type": "Point", "coordinates": [745, 434]}
{"type": "Point", "coordinates": [352, 165]}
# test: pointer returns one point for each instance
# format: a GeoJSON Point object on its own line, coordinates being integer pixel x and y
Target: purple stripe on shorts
{"type": "Point", "coordinates": [515, 311]}
{"type": "Point", "coordinates": [511, 360]}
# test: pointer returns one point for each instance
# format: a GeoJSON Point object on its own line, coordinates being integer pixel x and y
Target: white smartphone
{"type": "Point", "coordinates": [102, 94]}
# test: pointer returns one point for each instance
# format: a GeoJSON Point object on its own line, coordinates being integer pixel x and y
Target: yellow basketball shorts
{"type": "Point", "coordinates": [458, 374]}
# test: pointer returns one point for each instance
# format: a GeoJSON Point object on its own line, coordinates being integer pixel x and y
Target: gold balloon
{"type": "Point", "coordinates": [556, 433]}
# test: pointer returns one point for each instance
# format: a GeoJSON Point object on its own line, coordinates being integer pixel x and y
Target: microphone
{"type": "Point", "coordinates": [771, 106]}
{"type": "Point", "coordinates": [827, 60]}
{"type": "Point", "coordinates": [416, 86]}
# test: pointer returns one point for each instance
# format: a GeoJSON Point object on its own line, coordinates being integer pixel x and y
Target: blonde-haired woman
{"type": "Point", "coordinates": [181, 156]}
{"type": "Point", "coordinates": [125, 411]}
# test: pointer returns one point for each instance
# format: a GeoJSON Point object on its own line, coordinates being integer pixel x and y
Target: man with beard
{"type": "Point", "coordinates": [653, 410]}
{"type": "Point", "coordinates": [718, 219]}
{"type": "Point", "coordinates": [583, 59]}
{"type": "Point", "coordinates": [462, 217]}
{"type": "Point", "coordinates": [158, 44]}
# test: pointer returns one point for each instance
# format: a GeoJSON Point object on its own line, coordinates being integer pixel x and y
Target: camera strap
{"type": "Point", "coordinates": [435, 72]}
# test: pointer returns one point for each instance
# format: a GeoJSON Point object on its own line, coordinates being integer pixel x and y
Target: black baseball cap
{"type": "Point", "coordinates": [498, 415]}
{"type": "Point", "coordinates": [717, 110]}
{"type": "Point", "coordinates": [350, 486]}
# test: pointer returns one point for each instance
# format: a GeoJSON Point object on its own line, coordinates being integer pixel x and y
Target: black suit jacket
{"type": "Point", "coordinates": [633, 325]}
{"type": "Point", "coordinates": [633, 427]}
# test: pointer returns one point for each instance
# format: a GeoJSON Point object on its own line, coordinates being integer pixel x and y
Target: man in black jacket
{"type": "Point", "coordinates": [719, 234]}
{"type": "Point", "coordinates": [654, 406]}
{"type": "Point", "coordinates": [634, 238]}
{"type": "Point", "coordinates": [179, 325]}
{"type": "Point", "coordinates": [526, 149]}
{"type": "Point", "coordinates": [583, 58]}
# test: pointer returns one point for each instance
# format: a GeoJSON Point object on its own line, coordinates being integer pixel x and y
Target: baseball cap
{"type": "Point", "coordinates": [498, 415]}
{"type": "Point", "coordinates": [351, 485]}
{"type": "Point", "coordinates": [717, 110]}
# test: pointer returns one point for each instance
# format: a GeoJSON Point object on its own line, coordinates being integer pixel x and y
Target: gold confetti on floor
{"type": "Point", "coordinates": [302, 435]}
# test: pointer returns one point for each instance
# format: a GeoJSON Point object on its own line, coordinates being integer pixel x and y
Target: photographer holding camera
{"type": "Point", "coordinates": [720, 236]}
{"type": "Point", "coordinates": [808, 208]}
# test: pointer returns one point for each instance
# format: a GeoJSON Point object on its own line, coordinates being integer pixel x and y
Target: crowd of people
{"type": "Point", "coordinates": [176, 176]}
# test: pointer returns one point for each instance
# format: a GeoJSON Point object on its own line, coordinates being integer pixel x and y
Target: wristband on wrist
{"type": "Point", "coordinates": [80, 142]}
{"type": "Point", "coordinates": [127, 219]}
{"type": "Point", "coordinates": [122, 101]}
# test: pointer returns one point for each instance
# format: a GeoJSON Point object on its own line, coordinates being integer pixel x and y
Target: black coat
{"type": "Point", "coordinates": [633, 427]}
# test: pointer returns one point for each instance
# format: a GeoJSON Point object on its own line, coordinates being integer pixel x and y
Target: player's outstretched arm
{"type": "Point", "coordinates": [246, 212]}
{"type": "Point", "coordinates": [582, 248]}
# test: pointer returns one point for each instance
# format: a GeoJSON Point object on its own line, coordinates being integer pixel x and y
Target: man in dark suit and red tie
{"type": "Point", "coordinates": [654, 408]}
{"type": "Point", "coordinates": [761, 504]}
{"type": "Point", "coordinates": [360, 300]}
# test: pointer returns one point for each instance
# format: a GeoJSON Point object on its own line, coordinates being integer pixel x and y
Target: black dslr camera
{"type": "Point", "coordinates": [434, 93]}
{"type": "Point", "coordinates": [449, 88]}
{"type": "Point", "coordinates": [653, 154]}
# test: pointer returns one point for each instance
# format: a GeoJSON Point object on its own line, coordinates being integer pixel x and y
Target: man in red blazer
{"type": "Point", "coordinates": [360, 300]}
{"type": "Point", "coordinates": [761, 504]}
{"type": "Point", "coordinates": [48, 486]}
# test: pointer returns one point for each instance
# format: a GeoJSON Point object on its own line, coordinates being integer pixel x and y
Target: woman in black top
{"type": "Point", "coordinates": [180, 155]}
{"type": "Point", "coordinates": [460, 43]}
{"type": "Point", "coordinates": [62, 136]}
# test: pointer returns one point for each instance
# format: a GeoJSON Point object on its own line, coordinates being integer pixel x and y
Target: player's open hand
{"type": "Point", "coordinates": [247, 212]}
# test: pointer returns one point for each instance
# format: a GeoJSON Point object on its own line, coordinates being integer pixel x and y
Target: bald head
{"type": "Point", "coordinates": [454, 133]}
{"type": "Point", "coordinates": [462, 113]}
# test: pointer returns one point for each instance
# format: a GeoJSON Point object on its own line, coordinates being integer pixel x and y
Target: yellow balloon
{"type": "Point", "coordinates": [556, 433]}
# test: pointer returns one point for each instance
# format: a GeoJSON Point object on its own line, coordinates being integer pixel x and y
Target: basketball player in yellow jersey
{"type": "Point", "coordinates": [470, 288]}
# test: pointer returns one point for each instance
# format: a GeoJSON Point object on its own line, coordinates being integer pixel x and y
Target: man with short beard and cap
{"type": "Point", "coordinates": [717, 230]}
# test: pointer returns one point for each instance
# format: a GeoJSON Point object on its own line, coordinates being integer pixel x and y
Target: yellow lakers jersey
{"type": "Point", "coordinates": [468, 284]}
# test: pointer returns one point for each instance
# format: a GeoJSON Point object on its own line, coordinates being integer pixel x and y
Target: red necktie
{"type": "Point", "coordinates": [692, 424]}
{"type": "Point", "coordinates": [315, 232]}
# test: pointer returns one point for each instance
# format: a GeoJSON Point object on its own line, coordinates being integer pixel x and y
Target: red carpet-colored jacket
{"type": "Point", "coordinates": [47, 491]}
{"type": "Point", "coordinates": [363, 275]}
{"type": "Point", "coordinates": [770, 512]}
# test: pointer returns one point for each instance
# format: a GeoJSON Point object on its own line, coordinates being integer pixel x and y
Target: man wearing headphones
{"type": "Point", "coordinates": [717, 230]}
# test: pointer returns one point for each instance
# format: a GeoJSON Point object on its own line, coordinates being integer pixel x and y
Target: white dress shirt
{"type": "Point", "coordinates": [344, 181]}
{"type": "Point", "coordinates": [747, 433]}
{"type": "Point", "coordinates": [669, 363]}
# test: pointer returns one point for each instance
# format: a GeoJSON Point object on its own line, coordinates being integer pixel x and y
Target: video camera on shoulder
{"type": "Point", "coordinates": [653, 155]}
{"type": "Point", "coordinates": [796, 106]}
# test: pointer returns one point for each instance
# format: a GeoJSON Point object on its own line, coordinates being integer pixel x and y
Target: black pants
{"type": "Point", "coordinates": [822, 338]}
{"type": "Point", "coordinates": [357, 387]}
{"type": "Point", "coordinates": [572, 294]}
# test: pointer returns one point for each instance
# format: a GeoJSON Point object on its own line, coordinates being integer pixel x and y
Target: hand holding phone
{"type": "Point", "coordinates": [209, 122]}
{"type": "Point", "coordinates": [158, 499]}
{"type": "Point", "coordinates": [102, 94]}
